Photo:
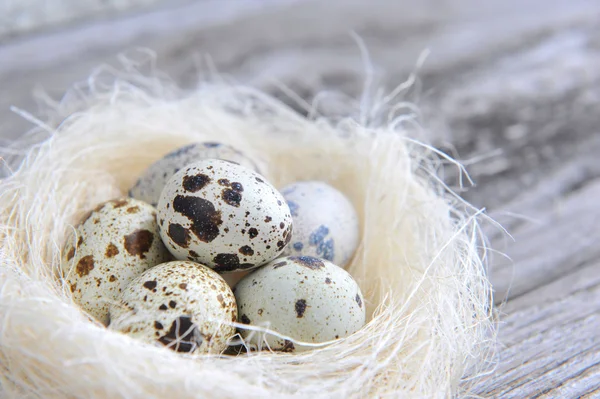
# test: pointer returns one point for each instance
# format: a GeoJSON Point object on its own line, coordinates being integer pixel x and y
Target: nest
{"type": "Point", "coordinates": [420, 264]}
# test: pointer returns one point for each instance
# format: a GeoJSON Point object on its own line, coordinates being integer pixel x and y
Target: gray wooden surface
{"type": "Point", "coordinates": [511, 87]}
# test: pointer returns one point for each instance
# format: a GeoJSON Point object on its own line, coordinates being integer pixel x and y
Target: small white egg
{"type": "Point", "coordinates": [151, 183]}
{"type": "Point", "coordinates": [325, 222]}
{"type": "Point", "coordinates": [114, 243]}
{"type": "Point", "coordinates": [305, 298]}
{"type": "Point", "coordinates": [224, 216]}
{"type": "Point", "coordinates": [182, 305]}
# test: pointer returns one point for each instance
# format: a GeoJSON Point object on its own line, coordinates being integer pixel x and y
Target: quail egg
{"type": "Point", "coordinates": [182, 305]}
{"type": "Point", "coordinates": [325, 222]}
{"type": "Point", "coordinates": [114, 243]}
{"type": "Point", "coordinates": [308, 299]}
{"type": "Point", "coordinates": [149, 186]}
{"type": "Point", "coordinates": [224, 216]}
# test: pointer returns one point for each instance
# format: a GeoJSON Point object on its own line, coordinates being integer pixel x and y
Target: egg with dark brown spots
{"type": "Point", "coordinates": [113, 244]}
{"type": "Point", "coordinates": [149, 186]}
{"type": "Point", "coordinates": [224, 216]}
{"type": "Point", "coordinates": [308, 299]}
{"type": "Point", "coordinates": [325, 222]}
{"type": "Point", "coordinates": [181, 305]}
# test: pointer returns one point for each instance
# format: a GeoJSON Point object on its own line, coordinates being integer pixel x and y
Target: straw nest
{"type": "Point", "coordinates": [420, 264]}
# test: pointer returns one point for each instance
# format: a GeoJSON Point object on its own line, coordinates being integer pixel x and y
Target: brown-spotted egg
{"type": "Point", "coordinates": [149, 186]}
{"type": "Point", "coordinates": [223, 215]}
{"type": "Point", "coordinates": [113, 244]}
{"type": "Point", "coordinates": [307, 299]}
{"type": "Point", "coordinates": [182, 305]}
{"type": "Point", "coordinates": [325, 222]}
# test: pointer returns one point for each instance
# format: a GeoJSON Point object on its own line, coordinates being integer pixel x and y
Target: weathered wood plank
{"type": "Point", "coordinates": [55, 60]}
{"type": "Point", "coordinates": [551, 346]}
{"type": "Point", "coordinates": [519, 77]}
{"type": "Point", "coordinates": [562, 241]}
{"type": "Point", "coordinates": [275, 45]}
{"type": "Point", "coordinates": [18, 18]}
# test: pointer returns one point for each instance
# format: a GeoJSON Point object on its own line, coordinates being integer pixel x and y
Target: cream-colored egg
{"type": "Point", "coordinates": [224, 216]}
{"type": "Point", "coordinates": [305, 298]}
{"type": "Point", "coordinates": [149, 186]}
{"type": "Point", "coordinates": [182, 305]}
{"type": "Point", "coordinates": [113, 244]}
{"type": "Point", "coordinates": [325, 222]}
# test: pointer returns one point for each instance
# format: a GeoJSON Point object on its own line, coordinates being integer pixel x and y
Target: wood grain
{"type": "Point", "coordinates": [549, 334]}
{"type": "Point", "coordinates": [510, 87]}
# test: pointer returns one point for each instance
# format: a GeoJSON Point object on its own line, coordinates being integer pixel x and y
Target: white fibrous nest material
{"type": "Point", "coordinates": [420, 264]}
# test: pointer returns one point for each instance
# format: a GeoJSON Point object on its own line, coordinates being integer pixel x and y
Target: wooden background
{"type": "Point", "coordinates": [510, 87]}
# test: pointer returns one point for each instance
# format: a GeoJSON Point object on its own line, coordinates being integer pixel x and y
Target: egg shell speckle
{"type": "Point", "coordinates": [114, 243]}
{"type": "Point", "coordinates": [182, 305]}
{"type": "Point", "coordinates": [306, 298]}
{"type": "Point", "coordinates": [325, 222]}
{"type": "Point", "coordinates": [224, 216]}
{"type": "Point", "coordinates": [149, 186]}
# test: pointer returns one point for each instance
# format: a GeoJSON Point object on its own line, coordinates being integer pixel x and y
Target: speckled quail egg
{"type": "Point", "coordinates": [182, 305]}
{"type": "Point", "coordinates": [302, 297]}
{"type": "Point", "coordinates": [325, 222]}
{"type": "Point", "coordinates": [149, 186]}
{"type": "Point", "coordinates": [224, 216]}
{"type": "Point", "coordinates": [114, 243]}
